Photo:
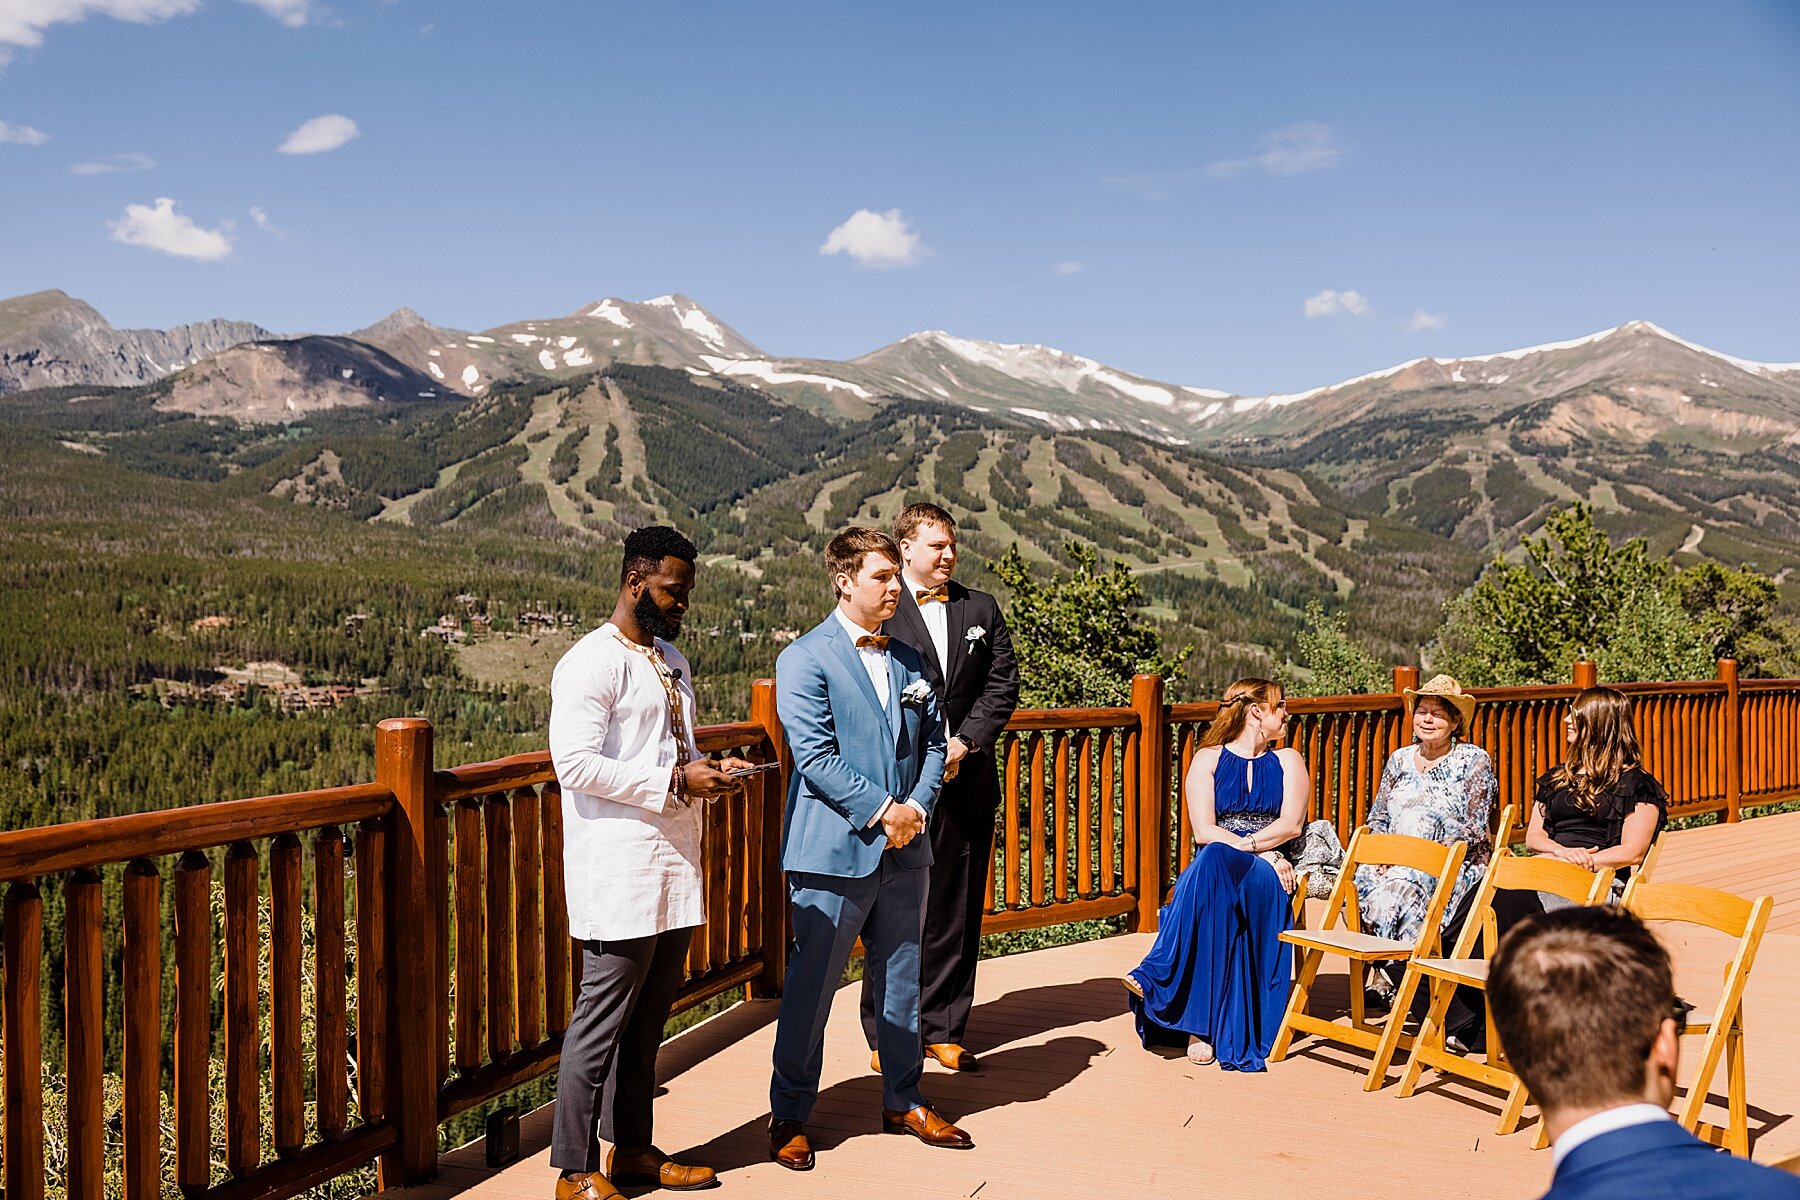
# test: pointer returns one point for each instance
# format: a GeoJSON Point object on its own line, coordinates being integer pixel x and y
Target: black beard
{"type": "Point", "coordinates": [652, 620]}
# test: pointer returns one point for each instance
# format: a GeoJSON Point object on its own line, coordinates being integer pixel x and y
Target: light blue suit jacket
{"type": "Point", "coordinates": [1663, 1161]}
{"type": "Point", "coordinates": [851, 754]}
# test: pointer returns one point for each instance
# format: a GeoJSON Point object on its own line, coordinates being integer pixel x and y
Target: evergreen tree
{"type": "Point", "coordinates": [1080, 635]}
{"type": "Point", "coordinates": [1331, 663]}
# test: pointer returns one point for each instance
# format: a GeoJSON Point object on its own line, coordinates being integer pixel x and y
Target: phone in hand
{"type": "Point", "coordinates": [746, 772]}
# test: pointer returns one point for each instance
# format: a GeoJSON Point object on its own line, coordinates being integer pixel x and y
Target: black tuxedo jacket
{"type": "Point", "coordinates": [979, 684]}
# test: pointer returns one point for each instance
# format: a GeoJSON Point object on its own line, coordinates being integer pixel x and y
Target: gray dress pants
{"type": "Point", "coordinates": [607, 1075]}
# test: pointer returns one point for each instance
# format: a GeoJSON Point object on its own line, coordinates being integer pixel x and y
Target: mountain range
{"type": "Point", "coordinates": [1636, 382]}
{"type": "Point", "coordinates": [1696, 450]}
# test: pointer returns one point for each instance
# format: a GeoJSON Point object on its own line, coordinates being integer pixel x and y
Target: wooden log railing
{"type": "Point", "coordinates": [420, 919]}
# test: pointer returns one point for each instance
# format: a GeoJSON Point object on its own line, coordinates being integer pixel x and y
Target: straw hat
{"type": "Point", "coordinates": [1445, 688]}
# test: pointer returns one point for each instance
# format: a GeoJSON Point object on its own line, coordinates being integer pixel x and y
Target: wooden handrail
{"type": "Point", "coordinates": [80, 845]}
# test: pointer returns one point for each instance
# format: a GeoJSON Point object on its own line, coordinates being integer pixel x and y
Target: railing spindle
{"type": "Point", "coordinates": [83, 1026]}
{"type": "Point", "coordinates": [23, 950]}
{"type": "Point", "coordinates": [556, 913]}
{"type": "Point", "coordinates": [528, 945]}
{"type": "Point", "coordinates": [1084, 819]}
{"type": "Point", "coordinates": [471, 963]}
{"type": "Point", "coordinates": [1038, 782]}
{"type": "Point", "coordinates": [193, 1020]}
{"type": "Point", "coordinates": [1108, 821]}
{"type": "Point", "coordinates": [1060, 868]}
{"type": "Point", "coordinates": [372, 1014]}
{"type": "Point", "coordinates": [497, 813]}
{"type": "Point", "coordinates": [243, 1037]}
{"type": "Point", "coordinates": [331, 1039]}
{"type": "Point", "coordinates": [287, 1069]}
{"type": "Point", "coordinates": [142, 1106]}
{"type": "Point", "coordinates": [1011, 797]}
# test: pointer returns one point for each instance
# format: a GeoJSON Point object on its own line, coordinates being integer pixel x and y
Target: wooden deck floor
{"type": "Point", "coordinates": [1069, 1104]}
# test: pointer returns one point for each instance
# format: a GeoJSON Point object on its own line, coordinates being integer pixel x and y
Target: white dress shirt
{"type": "Point", "coordinates": [1610, 1121]}
{"type": "Point", "coordinates": [875, 662]}
{"type": "Point", "coordinates": [631, 853]}
{"type": "Point", "coordinates": [936, 616]}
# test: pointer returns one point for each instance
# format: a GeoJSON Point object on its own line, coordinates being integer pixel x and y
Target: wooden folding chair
{"type": "Point", "coordinates": [1643, 869]}
{"type": "Point", "coordinates": [1463, 969]}
{"type": "Point", "coordinates": [1359, 948]}
{"type": "Point", "coordinates": [1723, 1027]}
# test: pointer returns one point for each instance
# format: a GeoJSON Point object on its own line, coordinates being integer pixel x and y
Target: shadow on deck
{"type": "Point", "coordinates": [1069, 1104]}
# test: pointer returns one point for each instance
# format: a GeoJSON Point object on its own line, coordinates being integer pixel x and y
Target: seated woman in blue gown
{"type": "Point", "coordinates": [1219, 972]}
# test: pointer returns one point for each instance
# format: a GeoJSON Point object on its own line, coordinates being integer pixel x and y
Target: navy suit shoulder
{"type": "Point", "coordinates": [1662, 1161]}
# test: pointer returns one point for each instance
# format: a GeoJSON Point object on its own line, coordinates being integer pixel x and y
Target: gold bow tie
{"type": "Point", "coordinates": [940, 593]}
{"type": "Point", "coordinates": [878, 641]}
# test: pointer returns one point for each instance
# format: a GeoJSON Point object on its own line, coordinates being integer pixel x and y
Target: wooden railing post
{"type": "Point", "coordinates": [1734, 738]}
{"type": "Point", "coordinates": [1405, 677]}
{"type": "Point", "coordinates": [1586, 674]}
{"type": "Point", "coordinates": [773, 887]}
{"type": "Point", "coordinates": [403, 764]}
{"type": "Point", "coordinates": [1152, 769]}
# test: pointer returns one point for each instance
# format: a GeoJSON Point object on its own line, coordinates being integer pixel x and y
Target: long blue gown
{"type": "Point", "coordinates": [1219, 970]}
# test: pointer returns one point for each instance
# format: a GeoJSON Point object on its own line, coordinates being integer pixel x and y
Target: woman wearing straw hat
{"type": "Point", "coordinates": [1439, 787]}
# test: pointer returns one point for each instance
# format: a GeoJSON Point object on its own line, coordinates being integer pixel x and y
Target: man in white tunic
{"type": "Point", "coordinates": [633, 785]}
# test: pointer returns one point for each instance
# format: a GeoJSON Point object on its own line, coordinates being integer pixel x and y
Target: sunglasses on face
{"type": "Point", "coordinates": [1680, 1010]}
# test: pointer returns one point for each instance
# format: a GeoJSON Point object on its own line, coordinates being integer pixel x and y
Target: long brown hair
{"type": "Point", "coordinates": [1234, 710]}
{"type": "Point", "coordinates": [1605, 747]}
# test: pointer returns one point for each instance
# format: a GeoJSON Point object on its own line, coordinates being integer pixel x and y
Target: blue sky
{"type": "Point", "coordinates": [1170, 188]}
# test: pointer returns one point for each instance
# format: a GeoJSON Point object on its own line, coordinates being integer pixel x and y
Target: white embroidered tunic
{"type": "Point", "coordinates": [631, 853]}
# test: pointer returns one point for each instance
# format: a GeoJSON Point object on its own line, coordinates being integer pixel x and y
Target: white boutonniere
{"type": "Point", "coordinates": [975, 634]}
{"type": "Point", "coordinates": [917, 692]}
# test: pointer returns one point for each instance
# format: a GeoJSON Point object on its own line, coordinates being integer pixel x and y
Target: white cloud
{"type": "Point", "coordinates": [22, 22]}
{"type": "Point", "coordinates": [1329, 303]}
{"type": "Point", "coordinates": [1291, 150]}
{"type": "Point", "coordinates": [876, 239]}
{"type": "Point", "coordinates": [22, 135]}
{"type": "Point", "coordinates": [292, 13]}
{"type": "Point", "coordinates": [1068, 268]}
{"type": "Point", "coordinates": [114, 162]}
{"type": "Point", "coordinates": [263, 223]}
{"type": "Point", "coordinates": [1423, 320]}
{"type": "Point", "coordinates": [320, 134]}
{"type": "Point", "coordinates": [159, 227]}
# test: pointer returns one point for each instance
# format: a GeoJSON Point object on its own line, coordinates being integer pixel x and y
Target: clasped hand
{"type": "Point", "coordinates": [1284, 870]}
{"type": "Point", "coordinates": [1580, 856]}
{"type": "Point", "coordinates": [902, 823]}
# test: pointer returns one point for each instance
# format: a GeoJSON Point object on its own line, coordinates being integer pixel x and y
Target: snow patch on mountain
{"type": "Point", "coordinates": [608, 310]}
{"type": "Point", "coordinates": [768, 373]}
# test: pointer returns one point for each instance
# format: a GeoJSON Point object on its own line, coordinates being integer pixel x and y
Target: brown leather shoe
{"type": "Point", "coordinates": [592, 1186]}
{"type": "Point", "coordinates": [924, 1123]}
{"type": "Point", "coordinates": [953, 1056]}
{"type": "Point", "coordinates": [652, 1168]}
{"type": "Point", "coordinates": [788, 1145]}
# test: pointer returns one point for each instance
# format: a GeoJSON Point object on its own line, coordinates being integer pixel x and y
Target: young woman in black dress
{"type": "Point", "coordinates": [1599, 807]}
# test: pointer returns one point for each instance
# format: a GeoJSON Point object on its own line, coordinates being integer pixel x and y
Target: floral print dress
{"type": "Point", "coordinates": [1446, 802]}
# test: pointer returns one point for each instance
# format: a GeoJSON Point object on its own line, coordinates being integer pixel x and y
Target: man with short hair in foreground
{"type": "Point", "coordinates": [1584, 1002]}
{"type": "Point", "coordinates": [868, 748]}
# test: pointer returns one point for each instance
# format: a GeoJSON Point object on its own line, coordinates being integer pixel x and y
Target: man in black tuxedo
{"type": "Point", "coordinates": [968, 657]}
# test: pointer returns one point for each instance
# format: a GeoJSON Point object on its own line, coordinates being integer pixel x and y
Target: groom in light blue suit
{"type": "Point", "coordinates": [867, 738]}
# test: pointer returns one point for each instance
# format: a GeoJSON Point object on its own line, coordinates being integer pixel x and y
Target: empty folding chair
{"type": "Point", "coordinates": [1722, 1026]}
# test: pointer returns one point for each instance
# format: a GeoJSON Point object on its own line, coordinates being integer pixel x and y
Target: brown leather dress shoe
{"type": "Point", "coordinates": [652, 1168]}
{"type": "Point", "coordinates": [924, 1123]}
{"type": "Point", "coordinates": [592, 1186]}
{"type": "Point", "coordinates": [953, 1056]}
{"type": "Point", "coordinates": [788, 1145]}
